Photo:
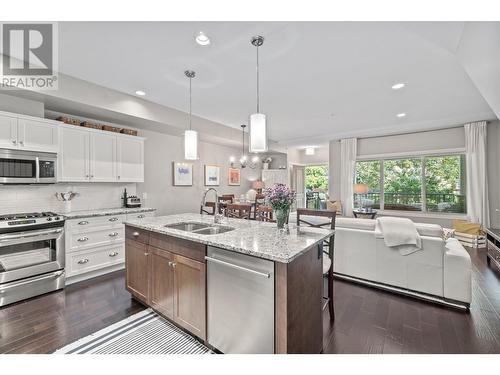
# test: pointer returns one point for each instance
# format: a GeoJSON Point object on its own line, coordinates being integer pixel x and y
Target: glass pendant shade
{"type": "Point", "coordinates": [258, 133]}
{"type": "Point", "coordinates": [190, 145]}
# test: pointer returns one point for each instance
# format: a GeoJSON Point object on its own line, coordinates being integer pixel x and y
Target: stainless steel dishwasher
{"type": "Point", "coordinates": [240, 311]}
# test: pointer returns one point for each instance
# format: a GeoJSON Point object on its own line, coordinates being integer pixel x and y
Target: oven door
{"type": "Point", "coordinates": [30, 253]}
{"type": "Point", "coordinates": [17, 168]}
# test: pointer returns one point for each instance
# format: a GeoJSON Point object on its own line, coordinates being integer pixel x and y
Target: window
{"type": "Point", "coordinates": [368, 173]}
{"type": "Point", "coordinates": [426, 184]}
{"type": "Point", "coordinates": [316, 181]}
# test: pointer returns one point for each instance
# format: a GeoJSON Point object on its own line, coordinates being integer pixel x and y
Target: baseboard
{"type": "Point", "coordinates": [90, 275]}
{"type": "Point", "coordinates": [411, 293]}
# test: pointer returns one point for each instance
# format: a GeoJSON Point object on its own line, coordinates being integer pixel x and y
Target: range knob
{"type": "Point", "coordinates": [49, 219]}
{"type": "Point", "coordinates": [56, 218]}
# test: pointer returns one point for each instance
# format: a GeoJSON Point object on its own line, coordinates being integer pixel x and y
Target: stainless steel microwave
{"type": "Point", "coordinates": [27, 167]}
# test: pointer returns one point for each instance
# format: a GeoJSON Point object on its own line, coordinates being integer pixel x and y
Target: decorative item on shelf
{"type": "Point", "coordinates": [190, 135]}
{"type": "Point", "coordinates": [183, 174]}
{"type": "Point", "coordinates": [280, 197]}
{"type": "Point", "coordinates": [92, 125]}
{"type": "Point", "coordinates": [69, 120]}
{"type": "Point", "coordinates": [128, 131]}
{"type": "Point", "coordinates": [212, 175]}
{"type": "Point", "coordinates": [66, 197]}
{"type": "Point", "coordinates": [258, 122]}
{"type": "Point", "coordinates": [252, 164]}
{"type": "Point", "coordinates": [258, 186]}
{"type": "Point", "coordinates": [234, 177]}
{"type": "Point", "coordinates": [110, 128]}
{"type": "Point", "coordinates": [266, 162]}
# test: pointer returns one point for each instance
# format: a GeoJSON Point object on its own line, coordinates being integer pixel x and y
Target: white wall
{"type": "Point", "coordinates": [493, 158]}
{"type": "Point", "coordinates": [37, 198]}
{"type": "Point", "coordinates": [28, 107]}
{"type": "Point", "coordinates": [161, 150]}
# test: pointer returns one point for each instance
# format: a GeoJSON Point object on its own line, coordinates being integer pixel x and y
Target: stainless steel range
{"type": "Point", "coordinates": [31, 255]}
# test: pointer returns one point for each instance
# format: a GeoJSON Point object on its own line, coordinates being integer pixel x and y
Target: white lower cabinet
{"type": "Point", "coordinates": [94, 259]}
{"type": "Point", "coordinates": [96, 245]}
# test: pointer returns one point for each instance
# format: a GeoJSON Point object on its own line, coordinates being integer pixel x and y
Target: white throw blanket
{"type": "Point", "coordinates": [400, 233]}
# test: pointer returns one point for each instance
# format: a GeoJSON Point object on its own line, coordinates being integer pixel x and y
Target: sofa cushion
{"type": "Point", "coordinates": [429, 230]}
{"type": "Point", "coordinates": [351, 223]}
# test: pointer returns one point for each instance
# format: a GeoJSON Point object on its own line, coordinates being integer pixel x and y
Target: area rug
{"type": "Point", "coordinates": [142, 333]}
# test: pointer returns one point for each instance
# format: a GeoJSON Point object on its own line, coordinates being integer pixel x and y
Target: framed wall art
{"type": "Point", "coordinates": [234, 177]}
{"type": "Point", "coordinates": [212, 175]}
{"type": "Point", "coordinates": [183, 174]}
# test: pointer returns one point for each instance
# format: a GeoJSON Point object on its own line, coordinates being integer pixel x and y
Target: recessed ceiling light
{"type": "Point", "coordinates": [140, 93]}
{"type": "Point", "coordinates": [398, 86]}
{"type": "Point", "coordinates": [401, 115]}
{"type": "Point", "coordinates": [310, 151]}
{"type": "Point", "coordinates": [202, 39]}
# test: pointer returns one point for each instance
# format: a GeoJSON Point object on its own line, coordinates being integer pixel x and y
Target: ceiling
{"type": "Point", "coordinates": [319, 80]}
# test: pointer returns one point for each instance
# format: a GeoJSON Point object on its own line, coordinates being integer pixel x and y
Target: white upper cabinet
{"type": "Point", "coordinates": [88, 155]}
{"type": "Point", "coordinates": [130, 159]}
{"type": "Point", "coordinates": [8, 132]}
{"type": "Point", "coordinates": [25, 133]}
{"type": "Point", "coordinates": [37, 135]}
{"type": "Point", "coordinates": [74, 154]}
{"type": "Point", "coordinates": [103, 157]}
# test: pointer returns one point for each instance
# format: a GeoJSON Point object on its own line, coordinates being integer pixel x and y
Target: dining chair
{"type": "Point", "coordinates": [238, 210]}
{"type": "Point", "coordinates": [208, 208]}
{"type": "Point", "coordinates": [329, 243]}
{"type": "Point", "coordinates": [265, 213]}
{"type": "Point", "coordinates": [260, 199]}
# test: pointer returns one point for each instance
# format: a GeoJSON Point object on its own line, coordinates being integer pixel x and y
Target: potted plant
{"type": "Point", "coordinates": [280, 198]}
{"type": "Point", "coordinates": [266, 162]}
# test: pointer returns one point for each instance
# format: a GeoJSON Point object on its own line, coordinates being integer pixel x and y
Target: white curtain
{"type": "Point", "coordinates": [477, 177]}
{"type": "Point", "coordinates": [348, 151]}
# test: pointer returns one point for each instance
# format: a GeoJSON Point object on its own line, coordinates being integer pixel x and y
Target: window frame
{"type": "Point", "coordinates": [422, 157]}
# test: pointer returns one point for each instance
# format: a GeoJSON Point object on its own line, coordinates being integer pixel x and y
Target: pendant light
{"type": "Point", "coordinates": [258, 123]}
{"type": "Point", "coordinates": [190, 136]}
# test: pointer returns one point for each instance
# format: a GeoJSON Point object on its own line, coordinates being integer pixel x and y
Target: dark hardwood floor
{"type": "Point", "coordinates": [367, 320]}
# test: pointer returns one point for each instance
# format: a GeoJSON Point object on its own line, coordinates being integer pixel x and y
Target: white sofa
{"type": "Point", "coordinates": [440, 272]}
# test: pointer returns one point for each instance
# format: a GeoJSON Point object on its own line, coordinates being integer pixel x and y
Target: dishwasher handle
{"type": "Point", "coordinates": [235, 266]}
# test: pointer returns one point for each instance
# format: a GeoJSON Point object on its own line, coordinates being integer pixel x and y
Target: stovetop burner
{"type": "Point", "coordinates": [30, 215]}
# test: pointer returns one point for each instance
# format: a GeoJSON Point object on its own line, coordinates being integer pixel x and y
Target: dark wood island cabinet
{"type": "Point", "coordinates": [169, 274]}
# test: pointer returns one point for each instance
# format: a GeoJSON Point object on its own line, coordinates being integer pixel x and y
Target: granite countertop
{"type": "Point", "coordinates": [250, 237]}
{"type": "Point", "coordinates": [105, 212]}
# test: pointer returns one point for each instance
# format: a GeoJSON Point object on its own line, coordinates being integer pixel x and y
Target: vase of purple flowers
{"type": "Point", "coordinates": [280, 198]}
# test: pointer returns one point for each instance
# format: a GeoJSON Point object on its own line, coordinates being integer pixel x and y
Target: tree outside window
{"type": "Point", "coordinates": [429, 183]}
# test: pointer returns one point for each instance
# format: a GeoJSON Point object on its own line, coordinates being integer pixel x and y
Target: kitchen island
{"type": "Point", "coordinates": [240, 286]}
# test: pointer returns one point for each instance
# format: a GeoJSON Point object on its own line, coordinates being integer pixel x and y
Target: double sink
{"type": "Point", "coordinates": [200, 228]}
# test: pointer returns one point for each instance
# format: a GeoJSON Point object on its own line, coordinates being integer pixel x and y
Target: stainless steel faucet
{"type": "Point", "coordinates": [217, 216]}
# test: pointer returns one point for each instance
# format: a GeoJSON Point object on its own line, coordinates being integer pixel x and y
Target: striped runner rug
{"type": "Point", "coordinates": [142, 333]}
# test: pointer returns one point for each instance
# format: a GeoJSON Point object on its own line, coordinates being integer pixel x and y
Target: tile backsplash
{"type": "Point", "coordinates": [36, 198]}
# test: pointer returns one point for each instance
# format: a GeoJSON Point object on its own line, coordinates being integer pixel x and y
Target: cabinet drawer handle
{"type": "Point", "coordinates": [114, 234]}
{"type": "Point", "coordinates": [83, 261]}
{"type": "Point", "coordinates": [141, 216]}
{"type": "Point", "coordinates": [174, 264]}
{"type": "Point", "coordinates": [83, 239]}
{"type": "Point", "coordinates": [21, 143]}
{"type": "Point", "coordinates": [113, 219]}
{"type": "Point", "coordinates": [83, 222]}
{"type": "Point", "coordinates": [135, 234]}
{"type": "Point", "coordinates": [146, 254]}
{"type": "Point", "coordinates": [113, 254]}
{"type": "Point", "coordinates": [14, 141]}
{"type": "Point", "coordinates": [170, 264]}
